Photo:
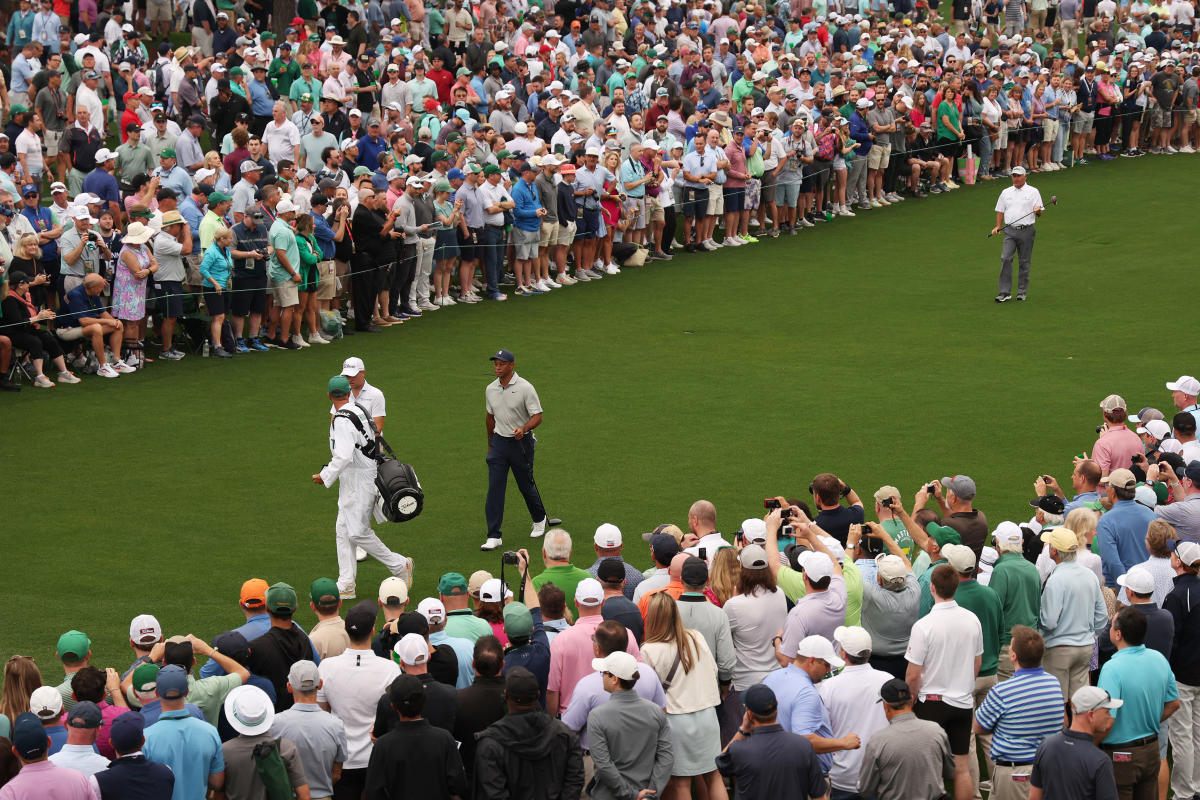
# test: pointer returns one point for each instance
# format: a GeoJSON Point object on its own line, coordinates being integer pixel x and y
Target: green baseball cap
{"type": "Point", "coordinates": [236, 71]}
{"type": "Point", "coordinates": [281, 597]}
{"type": "Point", "coordinates": [339, 386]}
{"type": "Point", "coordinates": [324, 591]}
{"type": "Point", "coordinates": [440, 155]}
{"type": "Point", "coordinates": [942, 534]}
{"type": "Point", "coordinates": [145, 677]}
{"type": "Point", "coordinates": [461, 72]}
{"type": "Point", "coordinates": [452, 583]}
{"type": "Point", "coordinates": [443, 186]}
{"type": "Point", "coordinates": [454, 136]}
{"type": "Point", "coordinates": [503, 154]}
{"type": "Point", "coordinates": [518, 622]}
{"type": "Point", "coordinates": [74, 643]}
{"type": "Point", "coordinates": [167, 152]}
{"type": "Point", "coordinates": [218, 197]}
{"type": "Point", "coordinates": [491, 169]}
{"type": "Point", "coordinates": [18, 109]}
{"type": "Point", "coordinates": [361, 171]}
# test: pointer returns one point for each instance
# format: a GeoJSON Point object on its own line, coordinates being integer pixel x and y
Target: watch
{"type": "Point", "coordinates": [744, 733]}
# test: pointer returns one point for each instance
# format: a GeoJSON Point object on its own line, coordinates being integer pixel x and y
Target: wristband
{"type": "Point", "coordinates": [743, 733]}
{"type": "Point", "coordinates": [846, 491]}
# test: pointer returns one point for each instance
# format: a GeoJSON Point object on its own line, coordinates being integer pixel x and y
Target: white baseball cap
{"type": "Point", "coordinates": [854, 639]}
{"type": "Point", "coordinates": [144, 629]}
{"type": "Point", "coordinates": [589, 592]}
{"type": "Point", "coordinates": [754, 530]}
{"type": "Point", "coordinates": [816, 565]}
{"type": "Point", "coordinates": [1186, 384]}
{"type": "Point", "coordinates": [1157, 428]}
{"type": "Point", "coordinates": [46, 702]}
{"type": "Point", "coordinates": [412, 649]}
{"type": "Point", "coordinates": [1008, 532]}
{"type": "Point", "coordinates": [890, 567]}
{"type": "Point", "coordinates": [352, 366]}
{"type": "Point", "coordinates": [1137, 579]}
{"type": "Point", "coordinates": [492, 591]}
{"type": "Point", "coordinates": [608, 536]}
{"type": "Point", "coordinates": [961, 557]}
{"type": "Point", "coordinates": [1185, 551]}
{"type": "Point", "coordinates": [1089, 698]}
{"type": "Point", "coordinates": [284, 206]}
{"type": "Point", "coordinates": [620, 663]}
{"type": "Point", "coordinates": [432, 610]}
{"type": "Point", "coordinates": [393, 587]}
{"type": "Point", "coordinates": [819, 647]}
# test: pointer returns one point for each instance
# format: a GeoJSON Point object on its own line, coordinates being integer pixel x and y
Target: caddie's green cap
{"type": "Point", "coordinates": [942, 534]}
{"type": "Point", "coordinates": [145, 677]}
{"type": "Point", "coordinates": [518, 622]}
{"type": "Point", "coordinates": [281, 597]}
{"type": "Point", "coordinates": [324, 592]}
{"type": "Point", "coordinates": [75, 644]}
{"type": "Point", "coordinates": [167, 152]}
{"type": "Point", "coordinates": [452, 583]}
{"type": "Point", "coordinates": [491, 169]}
{"type": "Point", "coordinates": [339, 386]}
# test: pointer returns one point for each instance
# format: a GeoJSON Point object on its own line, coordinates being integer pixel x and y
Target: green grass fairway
{"type": "Point", "coordinates": [870, 347]}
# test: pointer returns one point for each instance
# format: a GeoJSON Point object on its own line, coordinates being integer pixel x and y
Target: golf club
{"type": "Point", "coordinates": [1053, 202]}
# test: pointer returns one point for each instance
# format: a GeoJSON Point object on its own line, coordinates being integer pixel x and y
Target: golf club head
{"type": "Point", "coordinates": [1053, 199]}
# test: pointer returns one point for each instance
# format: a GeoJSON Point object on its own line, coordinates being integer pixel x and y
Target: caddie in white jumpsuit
{"type": "Point", "coordinates": [355, 473]}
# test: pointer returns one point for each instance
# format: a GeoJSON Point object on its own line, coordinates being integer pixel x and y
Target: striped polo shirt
{"type": "Point", "coordinates": [1021, 712]}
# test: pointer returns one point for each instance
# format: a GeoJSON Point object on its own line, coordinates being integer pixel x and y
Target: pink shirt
{"type": "Point", "coordinates": [737, 164]}
{"type": "Point", "coordinates": [46, 781]}
{"type": "Point", "coordinates": [103, 741]}
{"type": "Point", "coordinates": [1115, 448]}
{"type": "Point", "coordinates": [571, 656]}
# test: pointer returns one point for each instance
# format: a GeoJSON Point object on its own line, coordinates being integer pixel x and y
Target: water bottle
{"type": "Point", "coordinates": [205, 350]}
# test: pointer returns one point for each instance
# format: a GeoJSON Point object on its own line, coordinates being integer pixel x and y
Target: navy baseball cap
{"type": "Point", "coordinates": [29, 736]}
{"type": "Point", "coordinates": [760, 700]}
{"type": "Point", "coordinates": [503, 355]}
{"type": "Point", "coordinates": [127, 730]}
{"type": "Point", "coordinates": [172, 682]}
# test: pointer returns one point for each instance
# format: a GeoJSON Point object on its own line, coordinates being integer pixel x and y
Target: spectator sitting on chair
{"type": "Point", "coordinates": [24, 317]}
{"type": "Point", "coordinates": [85, 318]}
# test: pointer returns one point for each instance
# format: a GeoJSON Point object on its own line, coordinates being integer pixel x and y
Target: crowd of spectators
{"type": "Point", "coordinates": [898, 647]}
{"type": "Point", "coordinates": [298, 168]}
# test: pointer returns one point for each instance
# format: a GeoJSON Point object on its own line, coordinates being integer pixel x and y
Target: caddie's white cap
{"type": "Point", "coordinates": [854, 639]}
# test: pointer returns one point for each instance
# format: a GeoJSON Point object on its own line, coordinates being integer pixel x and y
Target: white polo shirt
{"type": "Point", "coordinates": [944, 644]}
{"type": "Point", "coordinates": [852, 698]}
{"type": "Point", "coordinates": [369, 399]}
{"type": "Point", "coordinates": [281, 140]}
{"type": "Point", "coordinates": [1018, 205]}
{"type": "Point", "coordinates": [711, 543]}
{"type": "Point", "coordinates": [352, 684]}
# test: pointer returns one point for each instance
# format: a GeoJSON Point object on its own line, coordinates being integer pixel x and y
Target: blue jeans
{"type": "Point", "coordinates": [841, 794]}
{"type": "Point", "coordinates": [985, 153]}
{"type": "Point", "coordinates": [493, 257]}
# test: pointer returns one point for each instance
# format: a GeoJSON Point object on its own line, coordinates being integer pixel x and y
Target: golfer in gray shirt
{"type": "Point", "coordinates": [630, 737]}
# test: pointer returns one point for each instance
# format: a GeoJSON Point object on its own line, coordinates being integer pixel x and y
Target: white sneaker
{"type": "Point", "coordinates": [731, 241]}
{"type": "Point", "coordinates": [360, 554]}
{"type": "Point", "coordinates": [581, 275]}
{"type": "Point", "coordinates": [612, 269]}
{"type": "Point", "coordinates": [709, 244]}
{"type": "Point", "coordinates": [754, 222]}
{"type": "Point", "coordinates": [123, 368]}
{"type": "Point", "coordinates": [895, 198]}
{"type": "Point", "coordinates": [539, 530]}
{"type": "Point", "coordinates": [347, 593]}
{"type": "Point", "coordinates": [566, 280]}
{"type": "Point", "coordinates": [298, 339]}
{"type": "Point", "coordinates": [845, 211]}
{"type": "Point", "coordinates": [316, 338]}
{"type": "Point", "coordinates": [425, 305]}
{"type": "Point", "coordinates": [107, 371]}
{"type": "Point", "coordinates": [67, 377]}
{"type": "Point", "coordinates": [1187, 148]}
{"type": "Point", "coordinates": [597, 265]}
{"type": "Point", "coordinates": [449, 301]}
{"type": "Point", "coordinates": [476, 285]}
{"type": "Point", "coordinates": [547, 285]}
{"type": "Point", "coordinates": [492, 544]}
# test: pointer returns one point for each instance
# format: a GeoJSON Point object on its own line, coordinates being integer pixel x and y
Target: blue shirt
{"type": "Point", "coordinates": [217, 265]}
{"type": "Point", "coordinates": [534, 656]}
{"type": "Point", "coordinates": [696, 164]}
{"type": "Point", "coordinates": [527, 202]}
{"type": "Point", "coordinates": [1143, 679]}
{"type": "Point", "coordinates": [464, 649]}
{"type": "Point", "coordinates": [632, 171]}
{"type": "Point", "coordinates": [1122, 535]}
{"type": "Point", "coordinates": [800, 708]}
{"type": "Point", "coordinates": [324, 236]}
{"type": "Point", "coordinates": [1079, 500]}
{"type": "Point", "coordinates": [191, 212]}
{"type": "Point", "coordinates": [253, 628]}
{"type": "Point", "coordinates": [177, 180]}
{"type": "Point", "coordinates": [1020, 713]}
{"type": "Point", "coordinates": [1073, 609]}
{"type": "Point", "coordinates": [261, 104]}
{"type": "Point", "coordinates": [153, 710]}
{"type": "Point", "coordinates": [103, 184]}
{"type": "Point", "coordinates": [42, 220]}
{"type": "Point", "coordinates": [58, 737]}
{"type": "Point", "coordinates": [190, 747]}
{"type": "Point", "coordinates": [79, 304]}
{"type": "Point", "coordinates": [369, 150]}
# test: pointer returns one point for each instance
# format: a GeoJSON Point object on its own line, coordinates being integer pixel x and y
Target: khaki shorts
{"type": "Point", "coordinates": [566, 234]}
{"type": "Point", "coordinates": [158, 12]}
{"type": "Point", "coordinates": [53, 140]}
{"type": "Point", "coordinates": [70, 334]}
{"type": "Point", "coordinates": [326, 280]}
{"type": "Point", "coordinates": [638, 205]}
{"type": "Point", "coordinates": [879, 155]}
{"type": "Point", "coordinates": [716, 201]}
{"type": "Point", "coordinates": [548, 235]}
{"type": "Point", "coordinates": [654, 210]}
{"type": "Point", "coordinates": [286, 294]}
{"type": "Point", "coordinates": [1191, 117]}
{"type": "Point", "coordinates": [1049, 130]}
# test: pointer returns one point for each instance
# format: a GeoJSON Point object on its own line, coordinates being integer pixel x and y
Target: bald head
{"type": "Point", "coordinates": [702, 517]}
{"type": "Point", "coordinates": [93, 284]}
{"type": "Point", "coordinates": [675, 570]}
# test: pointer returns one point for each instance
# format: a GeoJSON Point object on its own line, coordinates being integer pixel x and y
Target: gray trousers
{"type": "Point", "coordinates": [856, 181]}
{"type": "Point", "coordinates": [1019, 242]}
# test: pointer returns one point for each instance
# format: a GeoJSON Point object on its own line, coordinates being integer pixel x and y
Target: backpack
{"type": "Point", "coordinates": [272, 771]}
{"type": "Point", "coordinates": [160, 83]}
{"type": "Point", "coordinates": [397, 482]}
{"type": "Point", "coordinates": [827, 145]}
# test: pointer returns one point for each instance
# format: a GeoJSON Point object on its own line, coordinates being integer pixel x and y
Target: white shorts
{"type": "Point", "coordinates": [286, 294]}
{"type": "Point", "coordinates": [53, 140]}
{"type": "Point", "coordinates": [716, 201]}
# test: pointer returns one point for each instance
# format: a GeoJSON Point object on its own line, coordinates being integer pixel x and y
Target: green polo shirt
{"type": "Point", "coordinates": [1019, 586]}
{"type": "Point", "coordinates": [565, 577]}
{"type": "Point", "coordinates": [465, 625]}
{"type": "Point", "coordinates": [981, 601]}
{"type": "Point", "coordinates": [208, 694]}
{"type": "Point", "coordinates": [923, 580]}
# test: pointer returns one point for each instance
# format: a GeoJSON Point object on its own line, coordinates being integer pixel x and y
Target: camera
{"type": "Point", "coordinates": [510, 557]}
{"type": "Point", "coordinates": [788, 531]}
{"type": "Point", "coordinates": [785, 513]}
{"type": "Point", "coordinates": [888, 502]}
{"type": "Point", "coordinates": [771, 504]}
{"type": "Point", "coordinates": [1099, 429]}
{"type": "Point", "coordinates": [91, 236]}
{"type": "Point", "coordinates": [1047, 479]}
{"type": "Point", "coordinates": [931, 488]}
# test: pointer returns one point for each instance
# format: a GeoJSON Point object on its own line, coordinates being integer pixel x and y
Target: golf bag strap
{"type": "Point", "coordinates": [375, 434]}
